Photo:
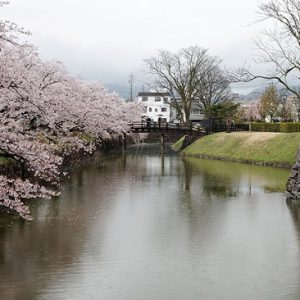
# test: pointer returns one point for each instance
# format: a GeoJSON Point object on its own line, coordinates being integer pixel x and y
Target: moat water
{"type": "Point", "coordinates": [145, 226]}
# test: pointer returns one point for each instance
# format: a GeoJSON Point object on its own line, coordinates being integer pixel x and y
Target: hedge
{"type": "Point", "coordinates": [266, 127]}
{"type": "Point", "coordinates": [276, 127]}
{"type": "Point", "coordinates": [289, 127]}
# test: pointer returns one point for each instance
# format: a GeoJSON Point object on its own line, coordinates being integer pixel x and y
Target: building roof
{"type": "Point", "coordinates": [147, 94]}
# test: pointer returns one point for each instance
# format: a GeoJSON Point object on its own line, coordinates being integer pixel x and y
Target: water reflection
{"type": "Point", "coordinates": [294, 208]}
{"type": "Point", "coordinates": [157, 227]}
{"type": "Point", "coordinates": [226, 179]}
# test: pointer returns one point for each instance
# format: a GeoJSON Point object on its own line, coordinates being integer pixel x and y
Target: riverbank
{"type": "Point", "coordinates": [262, 148]}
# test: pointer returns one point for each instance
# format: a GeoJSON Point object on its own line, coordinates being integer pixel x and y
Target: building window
{"type": "Point", "coordinates": [144, 109]}
{"type": "Point", "coordinates": [150, 109]}
{"type": "Point", "coordinates": [166, 100]}
{"type": "Point", "coordinates": [157, 98]}
{"type": "Point", "coordinates": [163, 109]}
{"type": "Point", "coordinates": [196, 111]}
{"type": "Point", "coordinates": [155, 109]}
{"type": "Point", "coordinates": [144, 98]}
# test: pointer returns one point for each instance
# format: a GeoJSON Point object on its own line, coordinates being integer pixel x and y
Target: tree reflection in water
{"type": "Point", "coordinates": [226, 179]}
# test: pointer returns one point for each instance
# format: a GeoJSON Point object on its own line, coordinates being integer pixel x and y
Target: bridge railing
{"type": "Point", "coordinates": [156, 125]}
{"type": "Point", "coordinates": [148, 125]}
{"type": "Point", "coordinates": [203, 126]}
{"type": "Point", "coordinates": [228, 128]}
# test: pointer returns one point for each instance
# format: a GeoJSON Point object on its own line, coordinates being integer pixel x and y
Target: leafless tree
{"type": "Point", "coordinates": [213, 87]}
{"type": "Point", "coordinates": [287, 109]}
{"type": "Point", "coordinates": [185, 75]}
{"type": "Point", "coordinates": [280, 46]}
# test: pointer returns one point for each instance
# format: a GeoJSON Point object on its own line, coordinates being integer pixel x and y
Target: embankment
{"type": "Point", "coordinates": [262, 148]}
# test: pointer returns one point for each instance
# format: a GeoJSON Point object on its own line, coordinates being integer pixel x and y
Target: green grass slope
{"type": "Point", "coordinates": [258, 147]}
{"type": "Point", "coordinates": [177, 146]}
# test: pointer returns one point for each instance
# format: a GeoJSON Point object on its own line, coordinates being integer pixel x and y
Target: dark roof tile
{"type": "Point", "coordinates": [147, 94]}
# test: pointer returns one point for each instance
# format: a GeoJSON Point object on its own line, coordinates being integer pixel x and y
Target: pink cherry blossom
{"type": "Point", "coordinates": [48, 115]}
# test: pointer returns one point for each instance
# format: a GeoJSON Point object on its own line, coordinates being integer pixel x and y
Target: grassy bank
{"type": "Point", "coordinates": [268, 148]}
{"type": "Point", "coordinates": [177, 146]}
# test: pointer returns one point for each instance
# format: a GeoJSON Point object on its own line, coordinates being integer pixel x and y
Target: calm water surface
{"type": "Point", "coordinates": [150, 227]}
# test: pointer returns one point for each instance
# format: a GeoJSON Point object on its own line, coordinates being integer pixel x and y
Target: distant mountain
{"type": "Point", "coordinates": [254, 94]}
{"type": "Point", "coordinates": [257, 93]}
{"type": "Point", "coordinates": [121, 89]}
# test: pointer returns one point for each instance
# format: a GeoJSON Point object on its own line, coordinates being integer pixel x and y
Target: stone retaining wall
{"type": "Point", "coordinates": [293, 184]}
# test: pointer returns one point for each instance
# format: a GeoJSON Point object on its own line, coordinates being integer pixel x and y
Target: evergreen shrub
{"type": "Point", "coordinates": [290, 127]}
{"type": "Point", "coordinates": [276, 127]}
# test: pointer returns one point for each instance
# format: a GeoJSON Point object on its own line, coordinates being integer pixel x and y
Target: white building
{"type": "Point", "coordinates": [156, 105]}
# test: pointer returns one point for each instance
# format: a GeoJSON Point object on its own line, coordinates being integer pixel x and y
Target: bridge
{"type": "Point", "coordinates": [204, 127]}
{"type": "Point", "coordinates": [196, 129]}
{"type": "Point", "coordinates": [146, 127]}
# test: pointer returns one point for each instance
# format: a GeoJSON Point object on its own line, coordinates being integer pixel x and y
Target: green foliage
{"type": "Point", "coordinates": [272, 127]}
{"type": "Point", "coordinates": [222, 111]}
{"type": "Point", "coordinates": [276, 127]}
{"type": "Point", "coordinates": [273, 148]}
{"type": "Point", "coordinates": [290, 127]}
{"type": "Point", "coordinates": [265, 127]}
{"type": "Point", "coordinates": [257, 126]}
{"type": "Point", "coordinates": [4, 160]}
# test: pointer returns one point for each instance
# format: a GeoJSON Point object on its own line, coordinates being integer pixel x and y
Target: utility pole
{"type": "Point", "coordinates": [131, 81]}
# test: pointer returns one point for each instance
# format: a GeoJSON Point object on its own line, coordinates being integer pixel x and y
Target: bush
{"type": "Point", "coordinates": [276, 127]}
{"type": "Point", "coordinates": [289, 127]}
{"type": "Point", "coordinates": [266, 127]}
{"type": "Point", "coordinates": [257, 127]}
{"type": "Point", "coordinates": [272, 127]}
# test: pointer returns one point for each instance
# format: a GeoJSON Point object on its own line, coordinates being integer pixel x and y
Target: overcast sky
{"type": "Point", "coordinates": [106, 40]}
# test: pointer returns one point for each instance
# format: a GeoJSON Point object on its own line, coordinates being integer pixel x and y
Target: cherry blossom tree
{"type": "Point", "coordinates": [9, 30]}
{"type": "Point", "coordinates": [250, 111]}
{"type": "Point", "coordinates": [47, 116]}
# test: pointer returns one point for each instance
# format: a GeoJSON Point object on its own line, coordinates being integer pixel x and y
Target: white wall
{"type": "Point", "coordinates": [154, 108]}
